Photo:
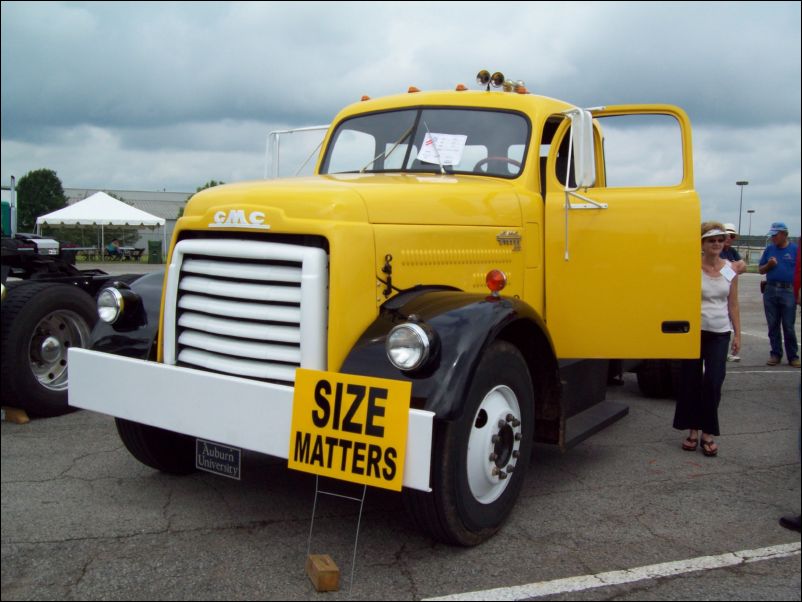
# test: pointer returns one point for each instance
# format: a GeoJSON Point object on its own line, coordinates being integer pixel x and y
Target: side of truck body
{"type": "Point", "coordinates": [392, 242]}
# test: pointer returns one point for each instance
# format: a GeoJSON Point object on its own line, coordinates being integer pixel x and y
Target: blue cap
{"type": "Point", "coordinates": [777, 227]}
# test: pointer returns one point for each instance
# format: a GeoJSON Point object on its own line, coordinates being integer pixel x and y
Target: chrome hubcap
{"type": "Point", "coordinates": [51, 340]}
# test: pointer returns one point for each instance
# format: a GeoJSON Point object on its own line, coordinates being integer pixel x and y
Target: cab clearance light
{"type": "Point", "coordinates": [483, 78]}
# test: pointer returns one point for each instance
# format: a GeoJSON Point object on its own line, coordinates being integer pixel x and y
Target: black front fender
{"type": "Point", "coordinates": [136, 336]}
{"type": "Point", "coordinates": [464, 324]}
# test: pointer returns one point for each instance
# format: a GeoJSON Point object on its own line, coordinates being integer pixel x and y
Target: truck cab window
{"type": "Point", "coordinates": [642, 150]}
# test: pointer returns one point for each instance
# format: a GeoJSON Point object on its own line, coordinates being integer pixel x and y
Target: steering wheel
{"type": "Point", "coordinates": [482, 162]}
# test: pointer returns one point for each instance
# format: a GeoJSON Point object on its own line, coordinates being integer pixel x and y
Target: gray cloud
{"type": "Point", "coordinates": [169, 95]}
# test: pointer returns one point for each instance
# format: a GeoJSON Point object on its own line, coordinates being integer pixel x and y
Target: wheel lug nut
{"type": "Point", "coordinates": [501, 424]}
{"type": "Point", "coordinates": [510, 417]}
{"type": "Point", "coordinates": [495, 439]}
{"type": "Point", "coordinates": [518, 436]}
{"type": "Point", "coordinates": [493, 457]}
{"type": "Point", "coordinates": [502, 475]}
{"type": "Point", "coordinates": [516, 423]}
{"type": "Point", "coordinates": [516, 454]}
{"type": "Point", "coordinates": [510, 468]}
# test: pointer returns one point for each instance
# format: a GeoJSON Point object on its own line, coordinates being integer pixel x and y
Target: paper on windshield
{"type": "Point", "coordinates": [442, 149]}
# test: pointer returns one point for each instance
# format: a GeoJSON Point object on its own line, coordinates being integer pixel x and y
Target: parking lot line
{"type": "Point", "coordinates": [653, 571]}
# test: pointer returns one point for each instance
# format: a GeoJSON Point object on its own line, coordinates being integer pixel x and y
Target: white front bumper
{"type": "Point", "coordinates": [235, 411]}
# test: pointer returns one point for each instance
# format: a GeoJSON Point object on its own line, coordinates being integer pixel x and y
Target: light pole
{"type": "Point", "coordinates": [749, 212]}
{"type": "Point", "coordinates": [741, 183]}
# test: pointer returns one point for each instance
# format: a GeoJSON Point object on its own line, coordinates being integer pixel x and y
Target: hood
{"type": "Point", "coordinates": [433, 199]}
{"type": "Point", "coordinates": [426, 199]}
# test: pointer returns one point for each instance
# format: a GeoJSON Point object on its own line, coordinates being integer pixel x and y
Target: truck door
{"type": "Point", "coordinates": [622, 254]}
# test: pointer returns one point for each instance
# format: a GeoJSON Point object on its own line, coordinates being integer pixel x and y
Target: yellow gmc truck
{"type": "Point", "coordinates": [458, 274]}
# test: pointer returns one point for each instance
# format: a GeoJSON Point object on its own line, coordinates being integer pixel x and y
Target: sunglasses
{"type": "Point", "coordinates": [718, 239]}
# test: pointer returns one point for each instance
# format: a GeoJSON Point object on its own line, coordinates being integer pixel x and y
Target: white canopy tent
{"type": "Point", "coordinates": [100, 209]}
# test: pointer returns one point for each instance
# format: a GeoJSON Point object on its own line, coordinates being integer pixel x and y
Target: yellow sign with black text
{"type": "Point", "coordinates": [350, 427]}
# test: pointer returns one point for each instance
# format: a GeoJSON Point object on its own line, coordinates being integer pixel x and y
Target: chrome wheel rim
{"type": "Point", "coordinates": [494, 444]}
{"type": "Point", "coordinates": [50, 342]}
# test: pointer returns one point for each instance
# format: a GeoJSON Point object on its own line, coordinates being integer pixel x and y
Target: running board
{"type": "Point", "coordinates": [591, 421]}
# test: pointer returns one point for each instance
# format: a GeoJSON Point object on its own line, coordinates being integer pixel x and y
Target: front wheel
{"type": "Point", "coordinates": [480, 460]}
{"type": "Point", "coordinates": [163, 450]}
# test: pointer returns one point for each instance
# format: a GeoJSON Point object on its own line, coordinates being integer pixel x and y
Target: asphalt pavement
{"type": "Point", "coordinates": [81, 519]}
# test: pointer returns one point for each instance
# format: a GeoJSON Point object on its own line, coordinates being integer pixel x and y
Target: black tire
{"type": "Point", "coordinates": [163, 450]}
{"type": "Point", "coordinates": [40, 322]}
{"type": "Point", "coordinates": [655, 379]}
{"type": "Point", "coordinates": [474, 493]}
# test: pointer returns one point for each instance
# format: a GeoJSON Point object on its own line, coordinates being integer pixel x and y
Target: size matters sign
{"type": "Point", "coordinates": [350, 427]}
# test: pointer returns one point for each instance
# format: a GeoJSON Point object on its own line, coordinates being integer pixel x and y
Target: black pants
{"type": "Point", "coordinates": [700, 385]}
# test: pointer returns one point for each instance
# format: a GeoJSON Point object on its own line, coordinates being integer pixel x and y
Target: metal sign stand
{"type": "Point", "coordinates": [358, 524]}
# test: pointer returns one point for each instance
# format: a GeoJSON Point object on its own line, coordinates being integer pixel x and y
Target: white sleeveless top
{"type": "Point", "coordinates": [715, 310]}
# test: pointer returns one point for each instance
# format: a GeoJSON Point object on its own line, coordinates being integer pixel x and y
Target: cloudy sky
{"type": "Point", "coordinates": [155, 96]}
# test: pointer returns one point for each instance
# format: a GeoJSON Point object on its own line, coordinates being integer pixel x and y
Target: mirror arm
{"type": "Point", "coordinates": [577, 122]}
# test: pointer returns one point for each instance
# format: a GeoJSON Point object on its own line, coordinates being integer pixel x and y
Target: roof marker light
{"type": "Point", "coordinates": [412, 90]}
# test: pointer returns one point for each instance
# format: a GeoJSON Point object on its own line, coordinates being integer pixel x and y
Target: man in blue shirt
{"type": "Point", "coordinates": [777, 262]}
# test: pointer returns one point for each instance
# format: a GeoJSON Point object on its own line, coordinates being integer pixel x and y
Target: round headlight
{"type": "Point", "coordinates": [407, 346]}
{"type": "Point", "coordinates": [109, 305]}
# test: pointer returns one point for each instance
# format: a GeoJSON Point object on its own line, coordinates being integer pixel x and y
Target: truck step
{"type": "Point", "coordinates": [591, 421]}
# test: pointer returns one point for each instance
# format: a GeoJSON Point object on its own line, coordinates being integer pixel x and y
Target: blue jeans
{"type": "Point", "coordinates": [780, 308]}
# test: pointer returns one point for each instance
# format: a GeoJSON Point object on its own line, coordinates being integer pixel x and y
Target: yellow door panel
{"type": "Point", "coordinates": [623, 272]}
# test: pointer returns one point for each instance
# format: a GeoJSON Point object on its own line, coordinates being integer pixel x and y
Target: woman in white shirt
{"type": "Point", "coordinates": [702, 379]}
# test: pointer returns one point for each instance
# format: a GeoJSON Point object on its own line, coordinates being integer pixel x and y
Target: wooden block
{"type": "Point", "coordinates": [323, 572]}
{"type": "Point", "coordinates": [15, 415]}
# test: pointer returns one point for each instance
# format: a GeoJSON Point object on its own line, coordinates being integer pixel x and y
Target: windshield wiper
{"type": "Point", "coordinates": [386, 154]}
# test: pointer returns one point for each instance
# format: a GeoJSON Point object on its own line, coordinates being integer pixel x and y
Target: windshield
{"type": "Point", "coordinates": [430, 140]}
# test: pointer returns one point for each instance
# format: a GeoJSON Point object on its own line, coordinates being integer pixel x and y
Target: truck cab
{"type": "Point", "coordinates": [493, 250]}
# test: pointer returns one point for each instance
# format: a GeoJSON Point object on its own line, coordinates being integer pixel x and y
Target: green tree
{"type": "Point", "coordinates": [209, 184]}
{"type": "Point", "coordinates": [38, 192]}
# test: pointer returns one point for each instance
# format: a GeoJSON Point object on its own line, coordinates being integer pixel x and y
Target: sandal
{"type": "Point", "coordinates": [690, 443]}
{"type": "Point", "coordinates": [708, 449]}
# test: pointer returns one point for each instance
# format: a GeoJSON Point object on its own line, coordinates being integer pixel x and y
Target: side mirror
{"type": "Point", "coordinates": [584, 163]}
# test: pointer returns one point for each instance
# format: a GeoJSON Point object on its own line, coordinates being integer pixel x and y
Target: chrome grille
{"type": "Point", "coordinates": [247, 308]}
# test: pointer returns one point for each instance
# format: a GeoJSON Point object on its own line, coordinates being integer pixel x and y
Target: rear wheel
{"type": "Point", "coordinates": [658, 378]}
{"type": "Point", "coordinates": [481, 458]}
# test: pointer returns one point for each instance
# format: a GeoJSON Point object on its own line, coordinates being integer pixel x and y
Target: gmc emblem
{"type": "Point", "coordinates": [236, 218]}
